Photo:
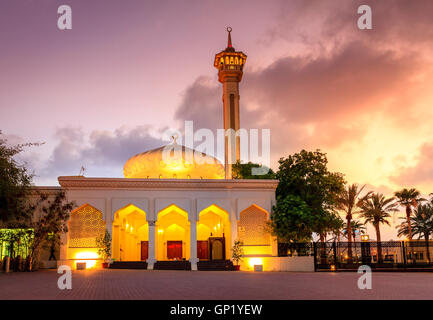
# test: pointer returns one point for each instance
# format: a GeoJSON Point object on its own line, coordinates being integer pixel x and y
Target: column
{"type": "Point", "coordinates": [193, 236]}
{"type": "Point", "coordinates": [115, 243]}
{"type": "Point", "coordinates": [151, 259]}
{"type": "Point", "coordinates": [233, 222]}
{"type": "Point", "coordinates": [109, 225]}
{"type": "Point", "coordinates": [63, 250]}
{"type": "Point", "coordinates": [151, 218]}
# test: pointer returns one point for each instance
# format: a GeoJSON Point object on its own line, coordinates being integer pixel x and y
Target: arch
{"type": "Point", "coordinates": [214, 222]}
{"type": "Point", "coordinates": [172, 226]}
{"type": "Point", "coordinates": [130, 232]}
{"type": "Point", "coordinates": [172, 208]}
{"type": "Point", "coordinates": [85, 225]}
{"type": "Point", "coordinates": [252, 226]}
{"type": "Point", "coordinates": [126, 210]}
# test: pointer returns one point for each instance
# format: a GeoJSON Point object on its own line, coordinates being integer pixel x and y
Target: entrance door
{"type": "Point", "coordinates": [202, 250]}
{"type": "Point", "coordinates": [144, 250]}
{"type": "Point", "coordinates": [174, 250]}
{"type": "Point", "coordinates": [217, 248]}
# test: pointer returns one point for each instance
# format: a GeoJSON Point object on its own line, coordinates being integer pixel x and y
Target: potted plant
{"type": "Point", "coordinates": [237, 253]}
{"type": "Point", "coordinates": [104, 247]}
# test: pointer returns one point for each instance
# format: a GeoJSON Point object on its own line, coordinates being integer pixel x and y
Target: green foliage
{"type": "Point", "coordinates": [104, 245]}
{"type": "Point", "coordinates": [15, 183]}
{"type": "Point", "coordinates": [306, 175]}
{"type": "Point", "coordinates": [237, 251]}
{"type": "Point", "coordinates": [356, 227]}
{"type": "Point", "coordinates": [421, 222]}
{"type": "Point", "coordinates": [245, 171]}
{"type": "Point", "coordinates": [292, 220]}
{"type": "Point", "coordinates": [50, 216]}
{"type": "Point", "coordinates": [17, 241]}
{"type": "Point", "coordinates": [376, 209]}
{"type": "Point", "coordinates": [307, 197]}
{"type": "Point", "coordinates": [408, 197]}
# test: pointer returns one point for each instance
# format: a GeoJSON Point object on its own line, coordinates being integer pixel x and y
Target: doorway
{"type": "Point", "coordinates": [217, 248]}
{"type": "Point", "coordinates": [144, 250]}
{"type": "Point", "coordinates": [202, 249]}
{"type": "Point", "coordinates": [174, 250]}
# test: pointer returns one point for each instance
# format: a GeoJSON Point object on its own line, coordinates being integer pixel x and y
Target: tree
{"type": "Point", "coordinates": [421, 224]}
{"type": "Point", "coordinates": [409, 199]}
{"type": "Point", "coordinates": [15, 183]}
{"type": "Point", "coordinates": [292, 220]}
{"type": "Point", "coordinates": [356, 227]}
{"type": "Point", "coordinates": [245, 171]}
{"type": "Point", "coordinates": [348, 202]}
{"type": "Point", "coordinates": [103, 242]}
{"type": "Point", "coordinates": [237, 251]}
{"type": "Point", "coordinates": [376, 209]}
{"type": "Point", "coordinates": [305, 176]}
{"type": "Point", "coordinates": [49, 219]}
{"type": "Point", "coordinates": [326, 223]}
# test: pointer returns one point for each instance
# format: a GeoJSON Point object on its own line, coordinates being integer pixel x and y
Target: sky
{"type": "Point", "coordinates": [106, 90]}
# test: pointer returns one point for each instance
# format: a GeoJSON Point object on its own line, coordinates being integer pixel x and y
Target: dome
{"type": "Point", "coordinates": [172, 162]}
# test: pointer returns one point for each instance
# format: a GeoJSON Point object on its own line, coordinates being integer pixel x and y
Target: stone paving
{"type": "Point", "coordinates": [213, 285]}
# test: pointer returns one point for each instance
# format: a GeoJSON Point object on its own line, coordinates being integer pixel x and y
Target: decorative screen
{"type": "Point", "coordinates": [252, 227]}
{"type": "Point", "coordinates": [85, 226]}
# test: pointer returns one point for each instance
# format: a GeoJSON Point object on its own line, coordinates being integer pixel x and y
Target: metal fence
{"type": "Point", "coordinates": [378, 255]}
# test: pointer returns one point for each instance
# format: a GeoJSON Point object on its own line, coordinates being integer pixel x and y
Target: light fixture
{"type": "Point", "coordinates": [365, 237]}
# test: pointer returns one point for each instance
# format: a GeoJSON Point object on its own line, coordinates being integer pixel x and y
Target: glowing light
{"type": "Point", "coordinates": [255, 261]}
{"type": "Point", "coordinates": [88, 257]}
{"type": "Point", "coordinates": [365, 237]}
{"type": "Point", "coordinates": [160, 231]}
{"type": "Point", "coordinates": [332, 267]}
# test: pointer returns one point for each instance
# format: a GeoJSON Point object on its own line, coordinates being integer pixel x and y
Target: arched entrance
{"type": "Point", "coordinates": [172, 234]}
{"type": "Point", "coordinates": [253, 232]}
{"type": "Point", "coordinates": [213, 234]}
{"type": "Point", "coordinates": [130, 234]}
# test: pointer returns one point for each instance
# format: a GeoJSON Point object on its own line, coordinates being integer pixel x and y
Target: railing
{"type": "Point", "coordinates": [378, 255]}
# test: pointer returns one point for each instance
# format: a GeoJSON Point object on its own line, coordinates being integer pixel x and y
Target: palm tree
{"type": "Point", "coordinates": [348, 202]}
{"type": "Point", "coordinates": [408, 198]}
{"type": "Point", "coordinates": [376, 210]}
{"type": "Point", "coordinates": [356, 226]}
{"type": "Point", "coordinates": [421, 224]}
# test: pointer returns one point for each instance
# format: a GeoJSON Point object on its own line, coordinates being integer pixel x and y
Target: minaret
{"type": "Point", "coordinates": [230, 64]}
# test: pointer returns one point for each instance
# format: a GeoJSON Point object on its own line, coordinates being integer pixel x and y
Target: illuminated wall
{"type": "Point", "coordinates": [172, 225]}
{"type": "Point", "coordinates": [85, 225]}
{"type": "Point", "coordinates": [252, 231]}
{"type": "Point", "coordinates": [130, 228]}
{"type": "Point", "coordinates": [215, 222]}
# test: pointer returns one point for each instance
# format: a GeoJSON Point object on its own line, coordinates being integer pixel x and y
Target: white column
{"type": "Point", "coordinates": [151, 218]}
{"type": "Point", "coordinates": [151, 259]}
{"type": "Point", "coordinates": [109, 224]}
{"type": "Point", "coordinates": [233, 222]}
{"type": "Point", "coordinates": [193, 236]}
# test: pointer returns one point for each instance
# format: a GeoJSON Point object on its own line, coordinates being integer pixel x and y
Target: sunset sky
{"type": "Point", "coordinates": [105, 90]}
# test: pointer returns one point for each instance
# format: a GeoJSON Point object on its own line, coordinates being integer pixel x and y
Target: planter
{"type": "Point", "coordinates": [104, 265]}
{"type": "Point", "coordinates": [236, 268]}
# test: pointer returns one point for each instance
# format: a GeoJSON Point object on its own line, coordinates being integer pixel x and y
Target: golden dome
{"type": "Point", "coordinates": [172, 162]}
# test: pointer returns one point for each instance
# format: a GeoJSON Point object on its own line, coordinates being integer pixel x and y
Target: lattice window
{"type": "Point", "coordinates": [85, 226]}
{"type": "Point", "coordinates": [252, 227]}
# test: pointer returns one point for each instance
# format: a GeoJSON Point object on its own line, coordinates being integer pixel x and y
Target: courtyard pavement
{"type": "Point", "coordinates": [213, 285]}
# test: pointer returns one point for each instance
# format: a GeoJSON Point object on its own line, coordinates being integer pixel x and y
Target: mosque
{"type": "Point", "coordinates": [179, 214]}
